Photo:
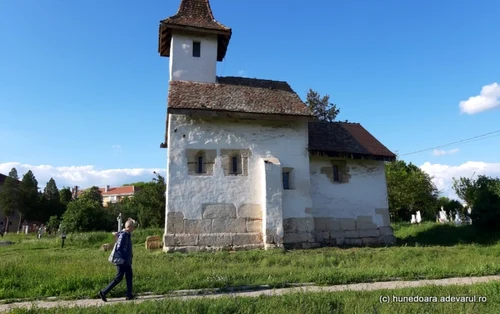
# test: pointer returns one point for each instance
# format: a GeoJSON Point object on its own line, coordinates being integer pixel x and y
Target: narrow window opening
{"type": "Point", "coordinates": [196, 49]}
{"type": "Point", "coordinates": [286, 180]}
{"type": "Point", "coordinates": [200, 164]}
{"type": "Point", "coordinates": [234, 165]}
{"type": "Point", "coordinates": [336, 177]}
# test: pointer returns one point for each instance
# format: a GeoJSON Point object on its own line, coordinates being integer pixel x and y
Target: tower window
{"type": "Point", "coordinates": [200, 164]}
{"type": "Point", "coordinates": [336, 176]}
{"type": "Point", "coordinates": [286, 180]}
{"type": "Point", "coordinates": [196, 49]}
{"type": "Point", "coordinates": [234, 164]}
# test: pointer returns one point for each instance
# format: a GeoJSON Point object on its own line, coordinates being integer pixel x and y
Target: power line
{"type": "Point", "coordinates": [471, 139]}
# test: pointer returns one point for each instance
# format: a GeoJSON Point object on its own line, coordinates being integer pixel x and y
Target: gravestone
{"type": "Point", "coordinates": [419, 217]}
{"type": "Point", "coordinates": [153, 242]}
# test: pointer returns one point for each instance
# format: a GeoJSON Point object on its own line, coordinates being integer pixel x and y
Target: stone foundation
{"type": "Point", "coordinates": [222, 227]}
{"type": "Point", "coordinates": [305, 233]}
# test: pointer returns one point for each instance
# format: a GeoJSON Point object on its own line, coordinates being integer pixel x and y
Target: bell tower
{"type": "Point", "coordinates": [194, 41]}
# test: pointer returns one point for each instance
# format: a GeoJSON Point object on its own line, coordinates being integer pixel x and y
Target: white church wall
{"type": "Point", "coordinates": [188, 68]}
{"type": "Point", "coordinates": [219, 202]}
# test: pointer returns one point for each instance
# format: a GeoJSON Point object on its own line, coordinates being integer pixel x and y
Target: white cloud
{"type": "Point", "coordinates": [438, 152]}
{"type": "Point", "coordinates": [488, 98]}
{"type": "Point", "coordinates": [443, 174]}
{"type": "Point", "coordinates": [241, 73]}
{"type": "Point", "coordinates": [116, 147]}
{"type": "Point", "coordinates": [82, 176]}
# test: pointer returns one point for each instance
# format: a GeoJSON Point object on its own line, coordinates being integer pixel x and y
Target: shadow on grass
{"type": "Point", "coordinates": [443, 235]}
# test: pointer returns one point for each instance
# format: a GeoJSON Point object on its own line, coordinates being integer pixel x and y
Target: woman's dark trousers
{"type": "Point", "coordinates": [122, 270]}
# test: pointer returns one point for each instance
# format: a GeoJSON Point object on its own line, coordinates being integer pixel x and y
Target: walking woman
{"type": "Point", "coordinates": [124, 250]}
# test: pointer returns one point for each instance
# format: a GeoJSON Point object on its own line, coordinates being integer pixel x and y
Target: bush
{"type": "Point", "coordinates": [486, 208]}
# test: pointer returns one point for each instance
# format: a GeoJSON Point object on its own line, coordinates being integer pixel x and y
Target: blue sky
{"type": "Point", "coordinates": [82, 83]}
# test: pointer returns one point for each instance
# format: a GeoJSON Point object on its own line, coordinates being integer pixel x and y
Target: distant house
{"type": "Point", "coordinates": [115, 194]}
{"type": "Point", "coordinates": [14, 219]}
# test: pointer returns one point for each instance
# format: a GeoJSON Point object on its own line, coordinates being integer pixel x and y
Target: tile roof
{"type": "Point", "coordinates": [237, 94]}
{"type": "Point", "coordinates": [129, 189]}
{"type": "Point", "coordinates": [346, 138]}
{"type": "Point", "coordinates": [195, 15]}
{"type": "Point", "coordinates": [121, 190]}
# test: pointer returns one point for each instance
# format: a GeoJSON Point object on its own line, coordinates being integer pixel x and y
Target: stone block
{"type": "Point", "coordinates": [217, 211]}
{"type": "Point", "coordinates": [313, 245]}
{"type": "Point", "coordinates": [365, 223]}
{"type": "Point", "coordinates": [175, 222]}
{"type": "Point", "coordinates": [339, 241]}
{"type": "Point", "coordinates": [254, 225]}
{"type": "Point", "coordinates": [369, 233]}
{"type": "Point", "coordinates": [332, 224]}
{"type": "Point", "coordinates": [186, 239]}
{"type": "Point", "coordinates": [228, 225]}
{"type": "Point", "coordinates": [320, 224]}
{"type": "Point", "coordinates": [106, 247]}
{"type": "Point", "coordinates": [272, 237]}
{"type": "Point", "coordinates": [247, 238]}
{"type": "Point", "coordinates": [387, 239]}
{"type": "Point", "coordinates": [153, 242]}
{"type": "Point", "coordinates": [352, 234]}
{"type": "Point", "coordinates": [337, 234]}
{"type": "Point", "coordinates": [325, 235]}
{"type": "Point", "coordinates": [289, 225]}
{"type": "Point", "coordinates": [370, 241]}
{"type": "Point", "coordinates": [215, 240]}
{"type": "Point", "coordinates": [197, 226]}
{"type": "Point", "coordinates": [250, 211]}
{"type": "Point", "coordinates": [347, 224]}
{"type": "Point", "coordinates": [386, 231]}
{"type": "Point", "coordinates": [353, 242]}
{"type": "Point", "coordinates": [296, 237]}
{"type": "Point", "coordinates": [384, 212]}
{"type": "Point", "coordinates": [304, 224]}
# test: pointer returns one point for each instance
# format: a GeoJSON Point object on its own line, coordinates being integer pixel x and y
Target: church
{"type": "Point", "coordinates": [249, 166]}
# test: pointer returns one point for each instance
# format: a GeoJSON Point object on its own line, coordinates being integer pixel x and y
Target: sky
{"type": "Point", "coordinates": [83, 89]}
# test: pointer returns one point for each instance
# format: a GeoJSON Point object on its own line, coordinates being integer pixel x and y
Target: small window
{"type": "Point", "coordinates": [196, 49]}
{"type": "Point", "coordinates": [286, 180]}
{"type": "Point", "coordinates": [336, 176]}
{"type": "Point", "coordinates": [234, 164]}
{"type": "Point", "coordinates": [199, 168]}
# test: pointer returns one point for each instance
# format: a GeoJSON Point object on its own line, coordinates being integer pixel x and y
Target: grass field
{"type": "Point", "coordinates": [34, 268]}
{"type": "Point", "coordinates": [487, 301]}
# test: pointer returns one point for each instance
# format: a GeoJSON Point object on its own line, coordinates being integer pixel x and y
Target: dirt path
{"type": "Point", "coordinates": [186, 296]}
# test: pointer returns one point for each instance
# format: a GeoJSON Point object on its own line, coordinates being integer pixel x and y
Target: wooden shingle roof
{"type": "Point", "coordinates": [341, 139]}
{"type": "Point", "coordinates": [237, 94]}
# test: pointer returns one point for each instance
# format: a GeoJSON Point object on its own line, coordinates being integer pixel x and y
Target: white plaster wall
{"type": "Point", "coordinates": [273, 196]}
{"type": "Point", "coordinates": [365, 191]}
{"type": "Point", "coordinates": [185, 67]}
{"type": "Point", "coordinates": [186, 193]}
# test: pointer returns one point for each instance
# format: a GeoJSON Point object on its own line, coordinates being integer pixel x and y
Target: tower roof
{"type": "Point", "coordinates": [193, 16]}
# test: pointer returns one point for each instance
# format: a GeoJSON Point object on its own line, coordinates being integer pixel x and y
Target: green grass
{"type": "Point", "coordinates": [34, 268]}
{"type": "Point", "coordinates": [318, 303]}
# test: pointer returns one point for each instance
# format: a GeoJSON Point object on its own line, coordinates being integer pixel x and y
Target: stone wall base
{"type": "Point", "coordinates": [184, 242]}
{"type": "Point", "coordinates": [382, 236]}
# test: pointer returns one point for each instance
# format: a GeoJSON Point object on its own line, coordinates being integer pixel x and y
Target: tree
{"type": "Point", "coordinates": [53, 224]}
{"type": "Point", "coordinates": [65, 196]}
{"type": "Point", "coordinates": [150, 203]}
{"type": "Point", "coordinates": [321, 106]}
{"type": "Point", "coordinates": [94, 194]}
{"type": "Point", "coordinates": [10, 197]}
{"type": "Point", "coordinates": [52, 201]}
{"type": "Point", "coordinates": [483, 195]}
{"type": "Point", "coordinates": [410, 190]}
{"type": "Point", "coordinates": [30, 199]}
{"type": "Point", "coordinates": [465, 189]}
